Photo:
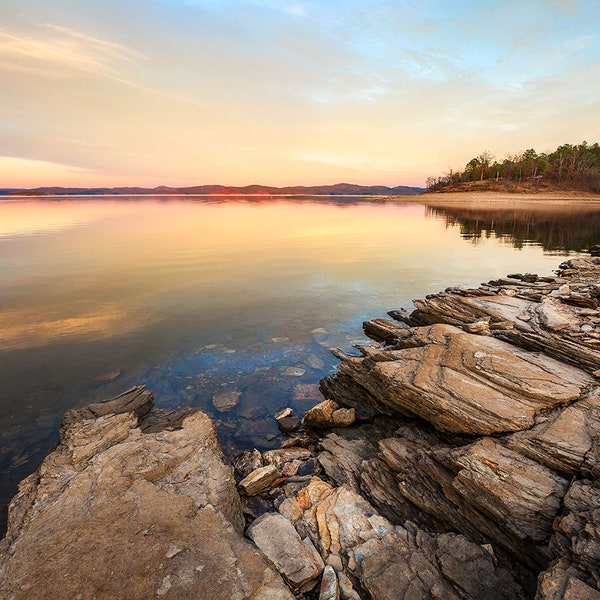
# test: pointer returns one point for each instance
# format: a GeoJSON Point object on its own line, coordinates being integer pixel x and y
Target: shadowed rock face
{"type": "Point", "coordinates": [116, 513]}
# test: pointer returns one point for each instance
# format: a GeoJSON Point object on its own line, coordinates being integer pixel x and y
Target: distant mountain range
{"type": "Point", "coordinates": [339, 189]}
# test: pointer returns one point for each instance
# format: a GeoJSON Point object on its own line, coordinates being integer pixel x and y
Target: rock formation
{"type": "Point", "coordinates": [456, 458]}
{"type": "Point", "coordinates": [495, 392]}
{"type": "Point", "coordinates": [117, 513]}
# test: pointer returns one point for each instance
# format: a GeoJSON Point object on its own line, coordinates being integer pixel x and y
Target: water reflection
{"type": "Point", "coordinates": [197, 296]}
{"type": "Point", "coordinates": [556, 228]}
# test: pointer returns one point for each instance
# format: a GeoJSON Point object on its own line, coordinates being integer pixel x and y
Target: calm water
{"type": "Point", "coordinates": [196, 296]}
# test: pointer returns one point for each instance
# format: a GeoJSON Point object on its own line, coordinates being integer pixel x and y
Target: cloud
{"type": "Point", "coordinates": [57, 50]}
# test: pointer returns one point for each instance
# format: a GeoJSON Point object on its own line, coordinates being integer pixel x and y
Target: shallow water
{"type": "Point", "coordinates": [196, 296]}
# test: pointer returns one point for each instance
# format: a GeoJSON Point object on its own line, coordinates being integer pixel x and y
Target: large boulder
{"type": "Point", "coordinates": [117, 513]}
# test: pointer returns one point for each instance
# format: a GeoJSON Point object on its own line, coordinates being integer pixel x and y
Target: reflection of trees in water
{"type": "Point", "coordinates": [568, 229]}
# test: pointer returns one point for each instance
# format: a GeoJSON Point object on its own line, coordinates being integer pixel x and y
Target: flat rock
{"type": "Point", "coordinates": [295, 558]}
{"type": "Point", "coordinates": [567, 441]}
{"type": "Point", "coordinates": [547, 326]}
{"type": "Point", "coordinates": [518, 492]}
{"type": "Point", "coordinates": [137, 400]}
{"type": "Point", "coordinates": [226, 400]}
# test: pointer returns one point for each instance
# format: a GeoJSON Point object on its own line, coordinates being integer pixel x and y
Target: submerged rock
{"type": "Point", "coordinates": [226, 400]}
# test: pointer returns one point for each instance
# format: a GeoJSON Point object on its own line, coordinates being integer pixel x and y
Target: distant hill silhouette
{"type": "Point", "coordinates": [339, 189]}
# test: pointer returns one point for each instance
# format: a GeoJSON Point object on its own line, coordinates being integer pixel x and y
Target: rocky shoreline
{"type": "Point", "coordinates": [457, 457]}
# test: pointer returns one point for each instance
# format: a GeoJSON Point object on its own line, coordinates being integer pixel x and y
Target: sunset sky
{"type": "Point", "coordinates": [186, 92]}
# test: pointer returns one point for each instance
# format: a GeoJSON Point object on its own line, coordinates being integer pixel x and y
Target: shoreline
{"type": "Point", "coordinates": [463, 443]}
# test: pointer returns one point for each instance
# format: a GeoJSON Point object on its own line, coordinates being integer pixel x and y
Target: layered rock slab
{"type": "Point", "coordinates": [551, 317]}
{"type": "Point", "coordinates": [465, 383]}
{"type": "Point", "coordinates": [114, 513]}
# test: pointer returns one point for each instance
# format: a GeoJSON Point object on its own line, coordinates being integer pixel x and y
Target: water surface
{"type": "Point", "coordinates": [196, 296]}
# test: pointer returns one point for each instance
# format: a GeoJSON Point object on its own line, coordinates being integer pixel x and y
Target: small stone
{"type": "Point", "coordinates": [165, 586]}
{"type": "Point", "coordinates": [319, 331]}
{"type": "Point", "coordinates": [477, 327]}
{"type": "Point", "coordinates": [307, 391]}
{"type": "Point", "coordinates": [280, 340]}
{"type": "Point", "coordinates": [281, 456]}
{"type": "Point", "coordinates": [289, 424]}
{"type": "Point", "coordinates": [256, 506]}
{"type": "Point", "coordinates": [330, 589]}
{"type": "Point", "coordinates": [290, 469]}
{"type": "Point", "coordinates": [173, 551]}
{"type": "Point", "coordinates": [226, 400]}
{"type": "Point", "coordinates": [270, 437]}
{"type": "Point", "coordinates": [344, 417]}
{"type": "Point", "coordinates": [307, 468]}
{"type": "Point", "coordinates": [587, 328]}
{"type": "Point", "coordinates": [282, 414]}
{"type": "Point", "coordinates": [294, 372]}
{"type": "Point", "coordinates": [108, 377]}
{"type": "Point", "coordinates": [321, 415]}
{"type": "Point", "coordinates": [295, 558]}
{"type": "Point", "coordinates": [247, 461]}
{"type": "Point", "coordinates": [314, 362]}
{"type": "Point", "coordinates": [259, 480]}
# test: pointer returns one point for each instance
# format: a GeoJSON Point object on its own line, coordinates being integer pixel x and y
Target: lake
{"type": "Point", "coordinates": [195, 296]}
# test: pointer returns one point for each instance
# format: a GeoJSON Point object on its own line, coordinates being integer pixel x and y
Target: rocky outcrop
{"type": "Point", "coordinates": [465, 383]}
{"type": "Point", "coordinates": [392, 561]}
{"type": "Point", "coordinates": [117, 513]}
{"type": "Point", "coordinates": [494, 392]}
{"type": "Point", "coordinates": [556, 315]}
{"type": "Point", "coordinates": [456, 458]}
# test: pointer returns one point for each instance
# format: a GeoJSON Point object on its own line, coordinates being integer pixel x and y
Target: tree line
{"type": "Point", "coordinates": [570, 165]}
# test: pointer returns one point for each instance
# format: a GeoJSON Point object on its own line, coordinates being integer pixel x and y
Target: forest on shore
{"type": "Point", "coordinates": [569, 166]}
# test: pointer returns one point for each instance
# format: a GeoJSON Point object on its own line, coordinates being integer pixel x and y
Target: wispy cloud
{"type": "Point", "coordinates": [56, 49]}
{"type": "Point", "coordinates": [290, 91]}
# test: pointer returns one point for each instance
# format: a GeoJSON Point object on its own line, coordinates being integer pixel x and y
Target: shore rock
{"type": "Point", "coordinates": [393, 561]}
{"type": "Point", "coordinates": [328, 414]}
{"type": "Point", "coordinates": [259, 480]}
{"type": "Point", "coordinates": [114, 513]}
{"type": "Point", "coordinates": [295, 558]}
{"type": "Point", "coordinates": [465, 383]}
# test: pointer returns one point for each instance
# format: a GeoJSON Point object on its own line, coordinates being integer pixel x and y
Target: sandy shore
{"type": "Point", "coordinates": [499, 198]}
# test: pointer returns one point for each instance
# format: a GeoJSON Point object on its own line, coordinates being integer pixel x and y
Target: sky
{"type": "Point", "coordinates": [237, 92]}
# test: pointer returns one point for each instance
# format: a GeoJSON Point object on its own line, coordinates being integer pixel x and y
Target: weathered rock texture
{"type": "Point", "coordinates": [473, 472]}
{"type": "Point", "coordinates": [117, 513]}
{"type": "Point", "coordinates": [494, 393]}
